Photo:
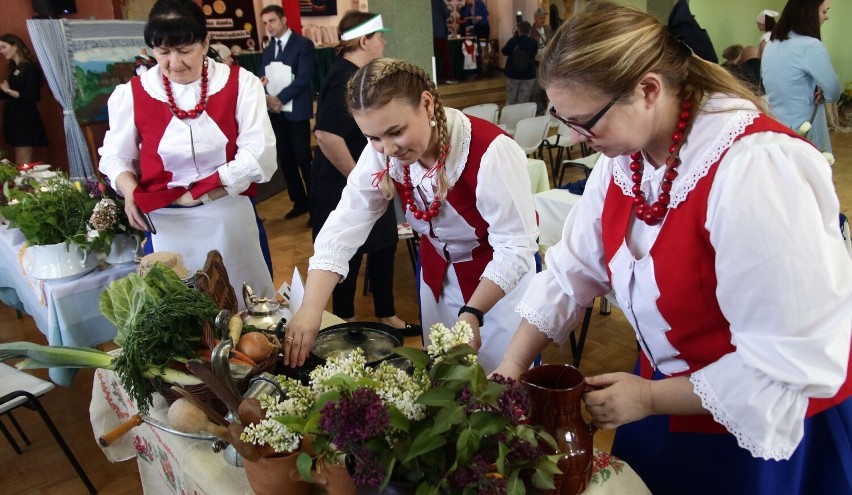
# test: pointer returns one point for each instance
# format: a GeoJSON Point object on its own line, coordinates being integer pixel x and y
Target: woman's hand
{"type": "Point", "coordinates": [624, 398]}
{"type": "Point", "coordinates": [135, 215]}
{"type": "Point", "coordinates": [4, 85]}
{"type": "Point", "coordinates": [300, 336]}
{"type": "Point", "coordinates": [509, 369]}
{"type": "Point", "coordinates": [819, 96]}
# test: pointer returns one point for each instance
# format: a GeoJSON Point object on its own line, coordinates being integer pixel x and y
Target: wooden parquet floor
{"type": "Point", "coordinates": [42, 469]}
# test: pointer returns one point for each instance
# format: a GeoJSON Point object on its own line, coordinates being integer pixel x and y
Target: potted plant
{"type": "Point", "coordinates": [440, 427]}
{"type": "Point", "coordinates": [110, 230]}
{"type": "Point", "coordinates": [844, 106]}
{"type": "Point", "coordinates": [53, 218]}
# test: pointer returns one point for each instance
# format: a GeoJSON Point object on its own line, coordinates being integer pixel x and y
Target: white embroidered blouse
{"type": "Point", "coordinates": [784, 278]}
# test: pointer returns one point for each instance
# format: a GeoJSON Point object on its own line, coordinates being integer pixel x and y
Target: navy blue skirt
{"type": "Point", "coordinates": [697, 463]}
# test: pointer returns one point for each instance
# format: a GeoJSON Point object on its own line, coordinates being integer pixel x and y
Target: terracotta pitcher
{"type": "Point", "coordinates": [276, 475]}
{"type": "Point", "coordinates": [555, 392]}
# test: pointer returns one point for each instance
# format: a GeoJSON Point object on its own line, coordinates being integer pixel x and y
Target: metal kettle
{"type": "Point", "coordinates": [263, 313]}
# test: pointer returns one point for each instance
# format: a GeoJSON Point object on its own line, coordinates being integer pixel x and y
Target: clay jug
{"type": "Point", "coordinates": [555, 391]}
{"type": "Point", "coordinates": [276, 475]}
{"type": "Point", "coordinates": [334, 478]}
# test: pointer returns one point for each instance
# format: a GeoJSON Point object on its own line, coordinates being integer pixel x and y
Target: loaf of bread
{"type": "Point", "coordinates": [167, 258]}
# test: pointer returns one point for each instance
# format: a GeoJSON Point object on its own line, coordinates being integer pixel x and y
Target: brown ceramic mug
{"type": "Point", "coordinates": [556, 392]}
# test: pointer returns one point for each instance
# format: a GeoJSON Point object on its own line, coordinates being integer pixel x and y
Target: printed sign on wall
{"type": "Point", "coordinates": [232, 23]}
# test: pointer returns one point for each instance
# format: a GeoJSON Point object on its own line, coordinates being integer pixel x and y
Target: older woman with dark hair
{"type": "Point", "coordinates": [797, 72]}
{"type": "Point", "coordinates": [21, 89]}
{"type": "Point", "coordinates": [187, 141]}
{"type": "Point", "coordinates": [339, 144]}
{"type": "Point", "coordinates": [716, 227]}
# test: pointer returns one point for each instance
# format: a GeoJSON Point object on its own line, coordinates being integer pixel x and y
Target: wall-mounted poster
{"type": "Point", "coordinates": [232, 23]}
{"type": "Point", "coordinates": [317, 7]}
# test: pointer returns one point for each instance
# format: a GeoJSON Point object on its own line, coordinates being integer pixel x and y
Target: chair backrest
{"type": "Point", "coordinates": [530, 132]}
{"type": "Point", "coordinates": [487, 111]}
{"type": "Point", "coordinates": [554, 122]}
{"type": "Point", "coordinates": [510, 115]}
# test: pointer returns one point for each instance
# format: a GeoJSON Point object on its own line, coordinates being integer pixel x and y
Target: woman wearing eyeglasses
{"type": "Point", "coordinates": [716, 227]}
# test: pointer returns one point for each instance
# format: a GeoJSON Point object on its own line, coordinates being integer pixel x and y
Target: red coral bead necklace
{"type": "Point", "coordinates": [408, 191]}
{"type": "Point", "coordinates": [654, 214]}
{"type": "Point", "coordinates": [202, 102]}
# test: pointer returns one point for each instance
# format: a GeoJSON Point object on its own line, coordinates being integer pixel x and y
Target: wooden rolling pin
{"type": "Point", "coordinates": [110, 437]}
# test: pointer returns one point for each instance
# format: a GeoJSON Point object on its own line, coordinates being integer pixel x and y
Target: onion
{"type": "Point", "coordinates": [256, 345]}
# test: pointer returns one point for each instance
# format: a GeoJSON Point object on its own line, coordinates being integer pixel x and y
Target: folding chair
{"type": "Point", "coordinates": [510, 115]}
{"type": "Point", "coordinates": [485, 111]}
{"type": "Point", "coordinates": [17, 389]}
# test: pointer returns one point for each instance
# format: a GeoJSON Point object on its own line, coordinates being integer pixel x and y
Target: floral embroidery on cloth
{"type": "Point", "coordinates": [604, 467]}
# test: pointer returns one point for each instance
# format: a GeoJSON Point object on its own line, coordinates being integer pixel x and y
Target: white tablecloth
{"type": "Point", "coordinates": [553, 207]}
{"type": "Point", "coordinates": [67, 313]}
{"type": "Point", "coordinates": [538, 175]}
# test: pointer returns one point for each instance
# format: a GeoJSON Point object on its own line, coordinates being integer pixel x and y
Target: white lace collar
{"type": "Point", "coordinates": [722, 118]}
{"type": "Point", "coordinates": [217, 75]}
{"type": "Point", "coordinates": [458, 129]}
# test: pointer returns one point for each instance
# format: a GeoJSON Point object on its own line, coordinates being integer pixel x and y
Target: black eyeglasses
{"type": "Point", "coordinates": [583, 128]}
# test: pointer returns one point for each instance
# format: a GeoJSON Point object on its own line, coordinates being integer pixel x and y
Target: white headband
{"type": "Point", "coordinates": [761, 17]}
{"type": "Point", "coordinates": [370, 26]}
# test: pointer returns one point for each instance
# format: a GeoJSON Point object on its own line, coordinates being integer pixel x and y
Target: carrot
{"type": "Point", "coordinates": [235, 354]}
{"type": "Point", "coordinates": [205, 354]}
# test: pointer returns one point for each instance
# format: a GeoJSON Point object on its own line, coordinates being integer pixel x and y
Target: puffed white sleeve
{"type": "Point", "coordinates": [255, 160]}
{"type": "Point", "coordinates": [347, 227]}
{"type": "Point", "coordinates": [576, 274]}
{"type": "Point", "coordinates": [120, 150]}
{"type": "Point", "coordinates": [504, 200]}
{"type": "Point", "coordinates": [784, 284]}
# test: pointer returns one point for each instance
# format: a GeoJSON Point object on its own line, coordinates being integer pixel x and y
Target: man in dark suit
{"type": "Point", "coordinates": [292, 127]}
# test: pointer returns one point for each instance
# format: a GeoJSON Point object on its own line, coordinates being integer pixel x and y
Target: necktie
{"type": "Point", "coordinates": [280, 48]}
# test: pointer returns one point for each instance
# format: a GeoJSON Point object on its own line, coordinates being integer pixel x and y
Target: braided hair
{"type": "Point", "coordinates": [386, 79]}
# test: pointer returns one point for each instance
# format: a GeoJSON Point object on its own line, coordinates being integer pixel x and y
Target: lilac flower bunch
{"type": "Point", "coordinates": [445, 426]}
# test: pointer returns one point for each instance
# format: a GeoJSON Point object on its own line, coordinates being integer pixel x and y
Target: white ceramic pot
{"type": "Point", "coordinates": [123, 250]}
{"type": "Point", "coordinates": [60, 261]}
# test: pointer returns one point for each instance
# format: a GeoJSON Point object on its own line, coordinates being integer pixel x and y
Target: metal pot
{"type": "Point", "coordinates": [263, 313]}
{"type": "Point", "coordinates": [375, 339]}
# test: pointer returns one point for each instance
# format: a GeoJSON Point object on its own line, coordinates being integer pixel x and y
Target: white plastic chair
{"type": "Point", "coordinates": [563, 144]}
{"type": "Point", "coordinates": [486, 111]}
{"type": "Point", "coordinates": [510, 115]}
{"type": "Point", "coordinates": [18, 388]}
{"type": "Point", "coordinates": [585, 163]}
{"type": "Point", "coordinates": [530, 132]}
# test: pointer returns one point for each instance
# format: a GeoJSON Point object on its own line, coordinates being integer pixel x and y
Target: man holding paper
{"type": "Point", "coordinates": [288, 66]}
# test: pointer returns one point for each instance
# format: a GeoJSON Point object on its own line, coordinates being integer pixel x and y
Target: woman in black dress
{"type": "Point", "coordinates": [340, 143]}
{"type": "Point", "coordinates": [22, 123]}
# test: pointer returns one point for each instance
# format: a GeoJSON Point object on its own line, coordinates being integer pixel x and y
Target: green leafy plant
{"type": "Point", "coordinates": [8, 171]}
{"type": "Point", "coordinates": [443, 425]}
{"type": "Point", "coordinates": [845, 96]}
{"type": "Point", "coordinates": [55, 211]}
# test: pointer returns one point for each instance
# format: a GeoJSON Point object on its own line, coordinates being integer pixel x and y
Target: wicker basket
{"type": "Point", "coordinates": [213, 281]}
{"type": "Point", "coordinates": [208, 397]}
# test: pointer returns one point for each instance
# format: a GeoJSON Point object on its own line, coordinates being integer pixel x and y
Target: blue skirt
{"type": "Point", "coordinates": [697, 463]}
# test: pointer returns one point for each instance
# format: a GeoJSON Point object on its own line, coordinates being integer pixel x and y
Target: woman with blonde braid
{"type": "Point", "coordinates": [465, 188]}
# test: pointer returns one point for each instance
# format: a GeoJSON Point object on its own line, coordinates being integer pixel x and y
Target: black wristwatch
{"type": "Point", "coordinates": [480, 316]}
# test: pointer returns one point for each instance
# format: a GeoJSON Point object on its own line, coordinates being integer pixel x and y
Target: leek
{"type": "Point", "coordinates": [56, 356]}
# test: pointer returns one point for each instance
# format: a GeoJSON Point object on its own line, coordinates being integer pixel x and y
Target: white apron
{"type": "Point", "coordinates": [228, 225]}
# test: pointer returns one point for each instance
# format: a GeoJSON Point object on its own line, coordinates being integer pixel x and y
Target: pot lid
{"type": "Point", "coordinates": [263, 307]}
{"type": "Point", "coordinates": [340, 340]}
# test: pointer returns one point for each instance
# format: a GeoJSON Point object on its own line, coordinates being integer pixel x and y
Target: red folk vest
{"type": "Point", "coordinates": [699, 330]}
{"type": "Point", "coordinates": [152, 117]}
{"type": "Point", "coordinates": [462, 197]}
